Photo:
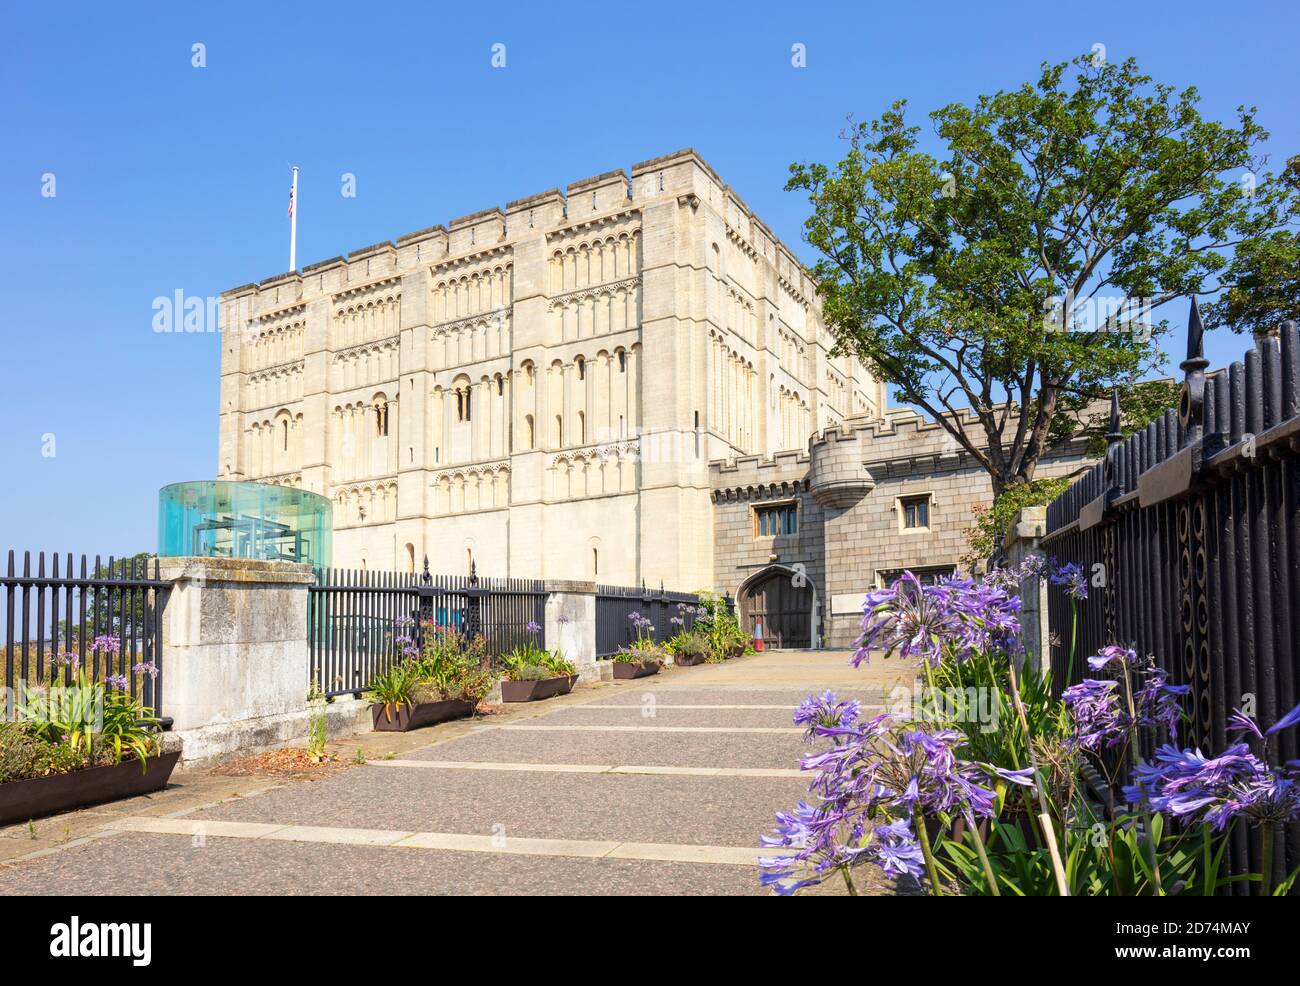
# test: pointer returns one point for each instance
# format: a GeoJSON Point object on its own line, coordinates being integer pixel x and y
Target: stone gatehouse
{"type": "Point", "coordinates": [801, 536]}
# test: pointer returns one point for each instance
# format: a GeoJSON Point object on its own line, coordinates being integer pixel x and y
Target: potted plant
{"type": "Point", "coordinates": [688, 648]}
{"type": "Point", "coordinates": [446, 681]}
{"type": "Point", "coordinates": [640, 659]}
{"type": "Point", "coordinates": [533, 673]}
{"type": "Point", "coordinates": [80, 743]}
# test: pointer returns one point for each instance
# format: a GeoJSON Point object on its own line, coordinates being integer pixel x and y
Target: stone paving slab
{"type": "Point", "coordinates": [727, 811]}
{"type": "Point", "coordinates": [784, 696]}
{"type": "Point", "coordinates": [667, 749]}
{"type": "Point", "coordinates": [636, 715]}
{"type": "Point", "coordinates": [152, 864]}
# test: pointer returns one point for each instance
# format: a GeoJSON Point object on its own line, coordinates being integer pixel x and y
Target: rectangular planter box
{"type": "Point", "coordinates": [36, 797]}
{"type": "Point", "coordinates": [532, 691]}
{"type": "Point", "coordinates": [642, 670]}
{"type": "Point", "coordinates": [400, 718]}
{"type": "Point", "coordinates": [688, 660]}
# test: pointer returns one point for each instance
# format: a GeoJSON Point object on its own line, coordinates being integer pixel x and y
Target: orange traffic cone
{"type": "Point", "coordinates": [758, 635]}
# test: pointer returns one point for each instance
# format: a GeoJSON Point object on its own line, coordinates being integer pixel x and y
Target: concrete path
{"type": "Point", "coordinates": [657, 786]}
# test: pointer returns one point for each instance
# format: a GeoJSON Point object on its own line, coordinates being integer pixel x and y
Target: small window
{"type": "Point", "coordinates": [916, 512]}
{"type": "Point", "coordinates": [926, 576]}
{"type": "Point", "coordinates": [622, 361]}
{"type": "Point", "coordinates": [582, 368]}
{"type": "Point", "coordinates": [776, 519]}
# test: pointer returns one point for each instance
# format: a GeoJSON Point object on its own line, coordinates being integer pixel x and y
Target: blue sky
{"type": "Point", "coordinates": [170, 177]}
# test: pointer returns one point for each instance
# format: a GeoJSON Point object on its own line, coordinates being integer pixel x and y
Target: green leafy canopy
{"type": "Point", "coordinates": [1094, 187]}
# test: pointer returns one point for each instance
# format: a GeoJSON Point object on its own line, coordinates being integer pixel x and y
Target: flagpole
{"type": "Point", "coordinates": [293, 223]}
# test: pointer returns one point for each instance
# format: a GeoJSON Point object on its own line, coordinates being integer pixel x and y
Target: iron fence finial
{"type": "Point", "coordinates": [1114, 434]}
{"type": "Point", "coordinates": [1191, 402]}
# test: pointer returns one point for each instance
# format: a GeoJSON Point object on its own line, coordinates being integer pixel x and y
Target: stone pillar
{"type": "Point", "coordinates": [234, 655]}
{"type": "Point", "coordinates": [1022, 540]}
{"type": "Point", "coordinates": [571, 624]}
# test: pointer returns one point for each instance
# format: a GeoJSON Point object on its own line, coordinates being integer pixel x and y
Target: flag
{"type": "Point", "coordinates": [291, 200]}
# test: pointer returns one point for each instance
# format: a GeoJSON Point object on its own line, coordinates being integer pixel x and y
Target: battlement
{"type": "Point", "coordinates": [553, 212]}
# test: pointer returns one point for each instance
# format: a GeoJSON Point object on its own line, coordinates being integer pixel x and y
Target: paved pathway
{"type": "Point", "coordinates": [656, 786]}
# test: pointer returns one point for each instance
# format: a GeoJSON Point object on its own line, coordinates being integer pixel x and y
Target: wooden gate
{"type": "Point", "coordinates": [783, 609]}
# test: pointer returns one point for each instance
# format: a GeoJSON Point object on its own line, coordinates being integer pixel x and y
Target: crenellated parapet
{"type": "Point", "coordinates": [759, 477]}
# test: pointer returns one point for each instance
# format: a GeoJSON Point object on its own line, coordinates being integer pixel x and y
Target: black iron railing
{"type": "Point", "coordinates": [1189, 536]}
{"type": "Point", "coordinates": [616, 604]}
{"type": "Point", "coordinates": [57, 617]}
{"type": "Point", "coordinates": [361, 622]}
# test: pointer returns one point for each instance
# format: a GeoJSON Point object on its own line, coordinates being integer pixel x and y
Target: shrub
{"type": "Point", "coordinates": [394, 686]}
{"type": "Point", "coordinates": [531, 663]}
{"type": "Point", "coordinates": [92, 717]}
{"type": "Point", "coordinates": [641, 652]}
{"type": "Point", "coordinates": [24, 754]}
{"type": "Point", "coordinates": [720, 627]}
{"type": "Point", "coordinates": [689, 643]}
{"type": "Point", "coordinates": [451, 665]}
{"type": "Point", "coordinates": [993, 519]}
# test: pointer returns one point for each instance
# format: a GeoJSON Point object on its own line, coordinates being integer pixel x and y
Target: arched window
{"type": "Point", "coordinates": [595, 562]}
{"type": "Point", "coordinates": [532, 435]}
{"type": "Point", "coordinates": [559, 431]}
{"type": "Point", "coordinates": [582, 368]}
{"type": "Point", "coordinates": [284, 434]}
{"type": "Point", "coordinates": [582, 428]}
{"type": "Point", "coordinates": [381, 417]}
{"type": "Point", "coordinates": [622, 361]}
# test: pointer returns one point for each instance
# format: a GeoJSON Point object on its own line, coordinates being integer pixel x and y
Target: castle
{"type": "Point", "coordinates": [628, 382]}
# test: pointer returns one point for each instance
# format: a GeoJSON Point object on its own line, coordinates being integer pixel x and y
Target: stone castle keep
{"type": "Point", "coordinates": [626, 382]}
{"type": "Point", "coordinates": [541, 388]}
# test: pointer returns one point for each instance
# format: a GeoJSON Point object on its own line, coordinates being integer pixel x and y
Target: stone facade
{"type": "Point", "coordinates": [851, 489]}
{"type": "Point", "coordinates": [538, 389]}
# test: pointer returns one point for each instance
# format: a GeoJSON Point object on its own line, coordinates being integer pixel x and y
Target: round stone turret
{"type": "Point", "coordinates": [838, 475]}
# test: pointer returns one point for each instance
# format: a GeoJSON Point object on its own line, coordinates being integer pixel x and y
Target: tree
{"type": "Point", "coordinates": [1018, 275]}
{"type": "Point", "coordinates": [1265, 275]}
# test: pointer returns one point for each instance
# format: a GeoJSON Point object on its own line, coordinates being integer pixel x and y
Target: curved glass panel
{"type": "Point", "coordinates": [218, 518]}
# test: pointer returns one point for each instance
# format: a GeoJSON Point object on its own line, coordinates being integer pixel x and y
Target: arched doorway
{"type": "Point", "coordinates": [781, 602]}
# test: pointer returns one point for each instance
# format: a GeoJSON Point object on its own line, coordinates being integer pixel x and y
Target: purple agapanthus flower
{"type": "Point", "coordinates": [955, 617]}
{"type": "Point", "coordinates": [866, 789]}
{"type": "Point", "coordinates": [107, 642]}
{"type": "Point", "coordinates": [118, 681]}
{"type": "Point", "coordinates": [1100, 712]}
{"type": "Point", "coordinates": [826, 712]}
{"type": "Point", "coordinates": [1096, 714]}
{"type": "Point", "coordinates": [1071, 576]}
{"type": "Point", "coordinates": [1113, 656]}
{"type": "Point", "coordinates": [893, 847]}
{"type": "Point", "coordinates": [146, 667]}
{"type": "Point", "coordinates": [1190, 786]}
{"type": "Point", "coordinates": [533, 626]}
